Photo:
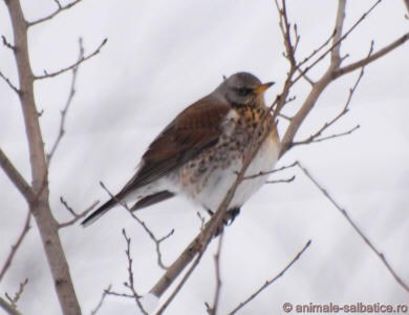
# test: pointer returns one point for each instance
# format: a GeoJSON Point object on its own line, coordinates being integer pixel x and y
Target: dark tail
{"type": "Point", "coordinates": [143, 203]}
{"type": "Point", "coordinates": [99, 212]}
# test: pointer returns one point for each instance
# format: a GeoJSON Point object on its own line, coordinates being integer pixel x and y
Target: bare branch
{"type": "Point", "coordinates": [16, 246]}
{"type": "Point", "coordinates": [40, 206]}
{"type": "Point", "coordinates": [84, 58]}
{"type": "Point", "coordinates": [76, 216]}
{"type": "Point", "coordinates": [8, 44]}
{"type": "Point", "coordinates": [120, 294]}
{"type": "Point", "coordinates": [339, 25]}
{"type": "Point", "coordinates": [277, 181]}
{"type": "Point", "coordinates": [101, 300]}
{"type": "Point", "coordinates": [355, 227]}
{"type": "Point", "coordinates": [318, 133]}
{"type": "Point", "coordinates": [16, 178]}
{"type": "Point", "coordinates": [271, 172]}
{"type": "Point", "coordinates": [9, 83]}
{"type": "Point", "coordinates": [130, 283]}
{"type": "Point", "coordinates": [59, 10]}
{"type": "Point", "coordinates": [212, 310]}
{"type": "Point", "coordinates": [329, 76]}
{"type": "Point", "coordinates": [181, 283]}
{"type": "Point", "coordinates": [336, 43]}
{"type": "Point", "coordinates": [14, 300]}
{"type": "Point", "coordinates": [333, 136]}
{"type": "Point", "coordinates": [269, 282]}
{"type": "Point", "coordinates": [380, 53]}
{"type": "Point", "coordinates": [64, 111]}
{"type": "Point", "coordinates": [285, 28]}
{"type": "Point", "coordinates": [152, 236]}
{"type": "Point", "coordinates": [8, 308]}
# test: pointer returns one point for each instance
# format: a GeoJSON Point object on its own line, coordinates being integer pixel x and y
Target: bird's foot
{"type": "Point", "coordinates": [228, 219]}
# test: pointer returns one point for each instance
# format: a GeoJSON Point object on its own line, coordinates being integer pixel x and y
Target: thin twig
{"type": "Point", "coordinates": [335, 135]}
{"type": "Point", "coordinates": [285, 180]}
{"type": "Point", "coordinates": [152, 236]}
{"type": "Point", "coordinates": [181, 283]}
{"type": "Point", "coordinates": [84, 58]}
{"type": "Point", "coordinates": [337, 38]}
{"type": "Point", "coordinates": [14, 300]}
{"type": "Point", "coordinates": [344, 111]}
{"type": "Point", "coordinates": [285, 167]}
{"type": "Point", "coordinates": [120, 294]}
{"type": "Point", "coordinates": [59, 10]}
{"type": "Point", "coordinates": [212, 310]}
{"type": "Point", "coordinates": [376, 55]}
{"type": "Point", "coordinates": [9, 83]}
{"type": "Point", "coordinates": [7, 44]}
{"type": "Point", "coordinates": [101, 300]}
{"type": "Point", "coordinates": [76, 216]}
{"type": "Point", "coordinates": [269, 282]}
{"type": "Point", "coordinates": [130, 283]}
{"type": "Point", "coordinates": [8, 308]}
{"type": "Point", "coordinates": [16, 246]}
{"type": "Point", "coordinates": [64, 111]}
{"type": "Point", "coordinates": [355, 227]}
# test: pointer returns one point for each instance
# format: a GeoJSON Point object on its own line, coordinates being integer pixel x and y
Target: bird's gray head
{"type": "Point", "coordinates": [243, 88]}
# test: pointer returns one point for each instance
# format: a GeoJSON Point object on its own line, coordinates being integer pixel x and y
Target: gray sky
{"type": "Point", "coordinates": [161, 57]}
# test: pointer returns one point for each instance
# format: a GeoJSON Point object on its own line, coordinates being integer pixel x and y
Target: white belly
{"type": "Point", "coordinates": [220, 181]}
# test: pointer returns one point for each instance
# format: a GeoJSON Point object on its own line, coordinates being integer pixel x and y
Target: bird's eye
{"type": "Point", "coordinates": [243, 91]}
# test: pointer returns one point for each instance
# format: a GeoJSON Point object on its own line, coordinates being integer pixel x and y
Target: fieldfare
{"type": "Point", "coordinates": [201, 151]}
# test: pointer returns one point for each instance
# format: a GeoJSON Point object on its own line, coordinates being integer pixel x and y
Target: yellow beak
{"type": "Point", "coordinates": [263, 87]}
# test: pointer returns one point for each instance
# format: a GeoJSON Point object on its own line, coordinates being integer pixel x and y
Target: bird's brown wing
{"type": "Point", "coordinates": [193, 130]}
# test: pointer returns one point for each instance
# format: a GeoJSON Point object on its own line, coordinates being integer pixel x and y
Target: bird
{"type": "Point", "coordinates": [200, 152]}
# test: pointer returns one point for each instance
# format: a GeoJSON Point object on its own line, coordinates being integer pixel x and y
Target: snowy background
{"type": "Point", "coordinates": [160, 57]}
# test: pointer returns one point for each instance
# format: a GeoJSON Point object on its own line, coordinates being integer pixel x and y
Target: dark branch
{"type": "Point", "coordinates": [8, 44]}
{"type": "Point", "coordinates": [84, 58]}
{"type": "Point", "coordinates": [355, 227]}
{"type": "Point", "coordinates": [9, 83]}
{"type": "Point", "coordinates": [8, 308]}
{"type": "Point", "coordinates": [269, 282]}
{"type": "Point", "coordinates": [152, 236]}
{"type": "Point", "coordinates": [130, 283]}
{"type": "Point", "coordinates": [76, 216]}
{"type": "Point", "coordinates": [14, 300]}
{"type": "Point", "coordinates": [101, 300]}
{"type": "Point", "coordinates": [277, 181]}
